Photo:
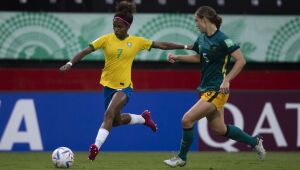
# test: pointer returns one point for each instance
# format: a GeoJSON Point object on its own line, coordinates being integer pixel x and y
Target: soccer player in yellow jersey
{"type": "Point", "coordinates": [119, 49]}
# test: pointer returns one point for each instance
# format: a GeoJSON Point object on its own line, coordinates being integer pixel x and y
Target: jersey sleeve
{"type": "Point", "coordinates": [145, 44]}
{"type": "Point", "coordinates": [196, 47]}
{"type": "Point", "coordinates": [99, 42]}
{"type": "Point", "coordinates": [230, 45]}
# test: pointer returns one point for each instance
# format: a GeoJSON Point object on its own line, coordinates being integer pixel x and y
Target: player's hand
{"type": "Point", "coordinates": [190, 47]}
{"type": "Point", "coordinates": [171, 58]}
{"type": "Point", "coordinates": [224, 88]}
{"type": "Point", "coordinates": [65, 67]}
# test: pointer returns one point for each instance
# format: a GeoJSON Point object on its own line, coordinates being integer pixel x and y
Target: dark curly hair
{"type": "Point", "coordinates": [209, 13]}
{"type": "Point", "coordinates": [125, 10]}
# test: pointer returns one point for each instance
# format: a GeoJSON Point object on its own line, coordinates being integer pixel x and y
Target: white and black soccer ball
{"type": "Point", "coordinates": [62, 157]}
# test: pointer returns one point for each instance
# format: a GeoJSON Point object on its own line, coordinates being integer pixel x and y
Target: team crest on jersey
{"type": "Point", "coordinates": [214, 48]}
{"type": "Point", "coordinates": [129, 44]}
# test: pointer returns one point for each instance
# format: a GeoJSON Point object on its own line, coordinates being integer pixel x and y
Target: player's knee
{"type": "Point", "coordinates": [109, 115]}
{"type": "Point", "coordinates": [186, 122]}
{"type": "Point", "coordinates": [116, 123]}
{"type": "Point", "coordinates": [218, 130]}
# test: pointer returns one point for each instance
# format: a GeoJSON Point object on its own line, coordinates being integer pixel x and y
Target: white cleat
{"type": "Point", "coordinates": [259, 148]}
{"type": "Point", "coordinates": [175, 161]}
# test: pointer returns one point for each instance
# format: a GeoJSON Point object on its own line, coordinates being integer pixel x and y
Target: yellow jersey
{"type": "Point", "coordinates": [119, 55]}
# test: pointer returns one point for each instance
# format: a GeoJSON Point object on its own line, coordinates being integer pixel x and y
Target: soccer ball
{"type": "Point", "coordinates": [62, 157]}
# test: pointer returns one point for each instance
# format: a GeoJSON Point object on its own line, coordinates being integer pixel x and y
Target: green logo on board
{"type": "Point", "coordinates": [284, 45]}
{"type": "Point", "coordinates": [177, 28]}
{"type": "Point", "coordinates": [234, 30]}
{"type": "Point", "coordinates": [37, 36]}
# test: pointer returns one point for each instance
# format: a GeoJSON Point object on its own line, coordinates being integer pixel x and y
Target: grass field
{"type": "Point", "coordinates": [153, 160]}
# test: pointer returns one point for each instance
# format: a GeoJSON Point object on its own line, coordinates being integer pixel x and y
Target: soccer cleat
{"type": "Point", "coordinates": [259, 148]}
{"type": "Point", "coordinates": [93, 152]}
{"type": "Point", "coordinates": [149, 121]}
{"type": "Point", "coordinates": [175, 161]}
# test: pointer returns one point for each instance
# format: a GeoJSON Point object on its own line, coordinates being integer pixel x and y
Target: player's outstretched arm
{"type": "Point", "coordinates": [76, 58]}
{"type": "Point", "coordinates": [170, 46]}
{"type": "Point", "coordinates": [194, 58]}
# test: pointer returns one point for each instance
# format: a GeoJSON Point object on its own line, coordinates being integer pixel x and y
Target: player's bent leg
{"type": "Point", "coordinates": [217, 125]}
{"type": "Point", "coordinates": [111, 112]}
{"type": "Point", "coordinates": [198, 111]}
{"type": "Point", "coordinates": [109, 117]}
{"type": "Point", "coordinates": [175, 161]}
{"type": "Point", "coordinates": [127, 118]}
{"type": "Point", "coordinates": [216, 122]}
{"type": "Point", "coordinates": [121, 119]}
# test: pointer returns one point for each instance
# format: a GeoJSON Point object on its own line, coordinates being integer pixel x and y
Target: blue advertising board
{"type": "Point", "coordinates": [43, 121]}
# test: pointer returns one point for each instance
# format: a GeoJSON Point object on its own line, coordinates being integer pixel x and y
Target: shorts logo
{"type": "Point", "coordinates": [208, 93]}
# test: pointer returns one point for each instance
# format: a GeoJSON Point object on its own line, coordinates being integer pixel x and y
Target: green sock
{"type": "Point", "coordinates": [237, 134]}
{"type": "Point", "coordinates": [186, 142]}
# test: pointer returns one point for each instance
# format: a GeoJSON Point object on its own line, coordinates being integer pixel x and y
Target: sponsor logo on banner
{"type": "Point", "coordinates": [23, 112]}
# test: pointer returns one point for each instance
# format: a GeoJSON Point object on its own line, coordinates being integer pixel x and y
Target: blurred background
{"type": "Point", "coordinates": [42, 109]}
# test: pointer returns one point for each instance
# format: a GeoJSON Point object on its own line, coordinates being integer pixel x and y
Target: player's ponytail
{"type": "Point", "coordinates": [124, 11]}
{"type": "Point", "coordinates": [218, 21]}
{"type": "Point", "coordinates": [209, 13]}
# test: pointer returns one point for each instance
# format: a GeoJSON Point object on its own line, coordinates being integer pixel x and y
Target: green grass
{"type": "Point", "coordinates": [153, 161]}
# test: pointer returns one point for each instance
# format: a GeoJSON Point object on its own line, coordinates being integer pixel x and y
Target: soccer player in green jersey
{"type": "Point", "coordinates": [119, 50]}
{"type": "Point", "coordinates": [214, 50]}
